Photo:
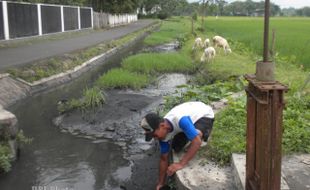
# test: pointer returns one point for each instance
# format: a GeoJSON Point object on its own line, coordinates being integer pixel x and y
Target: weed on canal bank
{"type": "Point", "coordinates": [92, 99]}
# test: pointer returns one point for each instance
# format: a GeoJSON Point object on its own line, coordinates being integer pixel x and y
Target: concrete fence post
{"type": "Point", "coordinates": [92, 17]}
{"type": "Point", "coordinates": [62, 18]}
{"type": "Point", "coordinates": [39, 19]}
{"type": "Point", "coordinates": [5, 20]}
{"type": "Point", "coordinates": [79, 18]}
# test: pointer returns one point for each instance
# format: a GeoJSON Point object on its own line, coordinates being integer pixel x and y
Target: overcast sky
{"type": "Point", "coordinates": [281, 3]}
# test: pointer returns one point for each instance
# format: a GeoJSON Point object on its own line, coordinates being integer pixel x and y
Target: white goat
{"type": "Point", "coordinates": [197, 44]}
{"type": "Point", "coordinates": [219, 41]}
{"type": "Point", "coordinates": [208, 54]}
{"type": "Point", "coordinates": [206, 43]}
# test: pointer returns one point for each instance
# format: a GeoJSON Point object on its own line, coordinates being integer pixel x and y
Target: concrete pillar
{"type": "Point", "coordinates": [39, 19]}
{"type": "Point", "coordinates": [5, 20]}
{"type": "Point", "coordinates": [62, 18]}
{"type": "Point", "coordinates": [92, 17]}
{"type": "Point", "coordinates": [79, 17]}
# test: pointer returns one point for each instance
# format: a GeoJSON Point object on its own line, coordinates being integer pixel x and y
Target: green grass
{"type": "Point", "coordinates": [229, 132]}
{"type": "Point", "coordinates": [170, 30]}
{"type": "Point", "coordinates": [155, 63]}
{"type": "Point", "coordinates": [120, 78]}
{"type": "Point", "coordinates": [228, 135]}
{"type": "Point", "coordinates": [292, 35]}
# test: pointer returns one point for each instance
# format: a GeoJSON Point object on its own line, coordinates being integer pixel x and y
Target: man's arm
{"type": "Point", "coordinates": [191, 152]}
{"type": "Point", "coordinates": [163, 165]}
{"type": "Point", "coordinates": [193, 135]}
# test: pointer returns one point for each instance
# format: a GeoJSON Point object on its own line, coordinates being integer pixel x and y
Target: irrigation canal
{"type": "Point", "coordinates": [73, 159]}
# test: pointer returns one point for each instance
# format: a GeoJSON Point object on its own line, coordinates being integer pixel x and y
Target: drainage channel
{"type": "Point", "coordinates": [77, 160]}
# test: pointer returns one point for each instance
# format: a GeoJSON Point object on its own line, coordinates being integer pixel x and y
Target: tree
{"type": "Point", "coordinates": [305, 11]}
{"type": "Point", "coordinates": [221, 4]}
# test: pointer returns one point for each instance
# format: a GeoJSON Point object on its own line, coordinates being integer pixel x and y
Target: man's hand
{"type": "Point", "coordinates": [173, 168]}
{"type": "Point", "coordinates": [158, 186]}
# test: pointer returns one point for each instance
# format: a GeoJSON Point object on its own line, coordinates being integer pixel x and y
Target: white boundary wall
{"type": "Point", "coordinates": [102, 20]}
{"type": "Point", "coordinates": [6, 20]}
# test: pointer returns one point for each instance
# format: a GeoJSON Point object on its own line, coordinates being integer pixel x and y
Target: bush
{"type": "Point", "coordinates": [195, 16]}
{"type": "Point", "coordinates": [162, 15]}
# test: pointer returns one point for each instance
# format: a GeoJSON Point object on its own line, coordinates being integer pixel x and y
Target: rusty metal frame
{"type": "Point", "coordinates": [264, 133]}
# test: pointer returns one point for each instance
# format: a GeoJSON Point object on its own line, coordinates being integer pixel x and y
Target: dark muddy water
{"type": "Point", "coordinates": [60, 160]}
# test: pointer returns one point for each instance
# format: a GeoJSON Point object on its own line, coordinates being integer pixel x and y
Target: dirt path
{"type": "Point", "coordinates": [26, 54]}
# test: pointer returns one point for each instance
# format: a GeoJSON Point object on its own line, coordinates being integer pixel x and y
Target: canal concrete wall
{"type": "Point", "coordinates": [11, 90]}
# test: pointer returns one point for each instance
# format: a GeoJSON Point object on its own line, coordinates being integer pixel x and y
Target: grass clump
{"type": "Point", "coordinates": [158, 63]}
{"type": "Point", "coordinates": [92, 99]}
{"type": "Point", "coordinates": [121, 78]}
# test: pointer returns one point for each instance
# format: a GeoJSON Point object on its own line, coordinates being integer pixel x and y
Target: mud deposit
{"type": "Point", "coordinates": [117, 120]}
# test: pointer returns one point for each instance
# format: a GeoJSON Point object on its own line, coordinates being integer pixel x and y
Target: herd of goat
{"type": "Point", "coordinates": [209, 51]}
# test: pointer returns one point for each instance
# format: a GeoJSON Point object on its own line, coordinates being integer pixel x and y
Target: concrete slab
{"type": "Point", "coordinates": [238, 167]}
{"type": "Point", "coordinates": [201, 174]}
{"type": "Point", "coordinates": [7, 118]}
{"type": "Point", "coordinates": [296, 169]}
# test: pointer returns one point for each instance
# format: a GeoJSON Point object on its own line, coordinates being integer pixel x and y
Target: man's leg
{"type": "Point", "coordinates": [179, 141]}
{"type": "Point", "coordinates": [204, 125]}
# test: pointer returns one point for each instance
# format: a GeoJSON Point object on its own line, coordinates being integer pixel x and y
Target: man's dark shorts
{"type": "Point", "coordinates": [203, 124]}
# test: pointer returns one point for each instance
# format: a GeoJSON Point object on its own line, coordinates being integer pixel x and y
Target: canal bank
{"type": "Point", "coordinates": [20, 88]}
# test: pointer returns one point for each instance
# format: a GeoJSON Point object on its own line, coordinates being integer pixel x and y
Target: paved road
{"type": "Point", "coordinates": [11, 57]}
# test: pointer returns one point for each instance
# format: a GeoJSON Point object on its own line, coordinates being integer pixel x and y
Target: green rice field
{"type": "Point", "coordinates": [292, 41]}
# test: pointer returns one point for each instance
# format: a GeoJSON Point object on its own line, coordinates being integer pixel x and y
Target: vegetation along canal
{"type": "Point", "coordinates": [93, 157]}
